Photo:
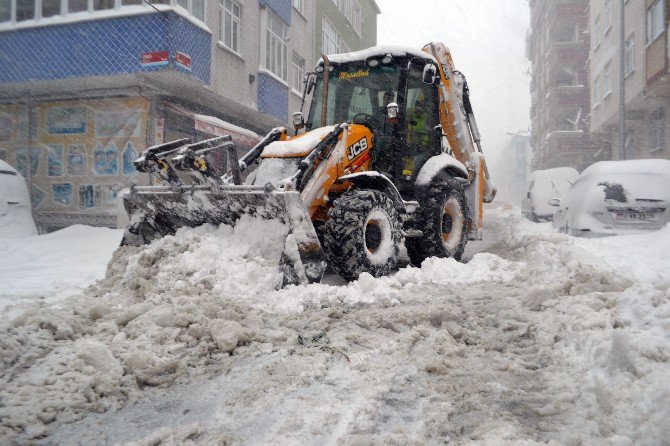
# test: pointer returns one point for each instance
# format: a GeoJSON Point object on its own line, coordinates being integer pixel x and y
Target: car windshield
{"type": "Point", "coordinates": [352, 90]}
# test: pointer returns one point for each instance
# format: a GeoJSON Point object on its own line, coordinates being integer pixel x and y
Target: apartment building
{"type": "Point", "coordinates": [88, 84]}
{"type": "Point", "coordinates": [345, 25]}
{"type": "Point", "coordinates": [558, 47]}
{"type": "Point", "coordinates": [645, 74]}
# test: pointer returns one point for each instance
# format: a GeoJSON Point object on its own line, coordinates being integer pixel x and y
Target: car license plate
{"type": "Point", "coordinates": [635, 216]}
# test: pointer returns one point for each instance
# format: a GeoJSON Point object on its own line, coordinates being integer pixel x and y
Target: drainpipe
{"type": "Point", "coordinates": [622, 83]}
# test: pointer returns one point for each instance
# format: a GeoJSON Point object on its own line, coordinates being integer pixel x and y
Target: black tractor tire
{"type": "Point", "coordinates": [363, 234]}
{"type": "Point", "coordinates": [442, 217]}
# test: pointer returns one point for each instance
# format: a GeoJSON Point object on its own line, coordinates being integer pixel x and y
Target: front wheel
{"type": "Point", "coordinates": [442, 218]}
{"type": "Point", "coordinates": [363, 234]}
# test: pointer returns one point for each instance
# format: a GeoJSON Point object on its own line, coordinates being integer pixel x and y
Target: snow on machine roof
{"type": "Point", "coordinates": [378, 51]}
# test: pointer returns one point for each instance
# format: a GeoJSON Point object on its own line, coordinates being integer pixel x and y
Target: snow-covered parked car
{"type": "Point", "coordinates": [616, 197]}
{"type": "Point", "coordinates": [16, 218]}
{"type": "Point", "coordinates": [545, 185]}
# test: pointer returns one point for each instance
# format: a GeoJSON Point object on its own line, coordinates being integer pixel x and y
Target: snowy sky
{"type": "Point", "coordinates": [487, 40]}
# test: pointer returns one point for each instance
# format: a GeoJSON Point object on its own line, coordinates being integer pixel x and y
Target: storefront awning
{"type": "Point", "coordinates": [217, 127]}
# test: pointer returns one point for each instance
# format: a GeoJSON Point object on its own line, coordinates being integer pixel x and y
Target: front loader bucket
{"type": "Point", "coordinates": [157, 211]}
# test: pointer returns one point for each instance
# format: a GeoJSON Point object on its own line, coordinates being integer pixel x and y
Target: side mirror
{"type": "Point", "coordinates": [298, 120]}
{"type": "Point", "coordinates": [554, 202]}
{"type": "Point", "coordinates": [392, 112]}
{"type": "Point", "coordinates": [429, 74]}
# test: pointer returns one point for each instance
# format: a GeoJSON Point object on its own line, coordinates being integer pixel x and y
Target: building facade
{"type": "Point", "coordinates": [558, 47]}
{"type": "Point", "coordinates": [345, 25]}
{"type": "Point", "coordinates": [86, 85]}
{"type": "Point", "coordinates": [645, 77]}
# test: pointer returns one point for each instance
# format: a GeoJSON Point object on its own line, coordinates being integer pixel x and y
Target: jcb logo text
{"type": "Point", "coordinates": [357, 148]}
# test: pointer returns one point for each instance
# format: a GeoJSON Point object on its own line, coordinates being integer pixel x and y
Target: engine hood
{"type": "Point", "coordinates": [297, 146]}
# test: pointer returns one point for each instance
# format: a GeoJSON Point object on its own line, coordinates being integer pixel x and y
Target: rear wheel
{"type": "Point", "coordinates": [362, 234]}
{"type": "Point", "coordinates": [442, 218]}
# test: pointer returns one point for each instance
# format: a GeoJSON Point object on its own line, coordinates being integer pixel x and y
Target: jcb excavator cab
{"type": "Point", "coordinates": [359, 92]}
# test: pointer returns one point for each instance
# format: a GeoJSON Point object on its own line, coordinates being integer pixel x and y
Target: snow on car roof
{"type": "Point", "coordinates": [556, 172]}
{"type": "Point", "coordinates": [393, 50]}
{"type": "Point", "coordinates": [7, 167]}
{"type": "Point", "coordinates": [649, 166]}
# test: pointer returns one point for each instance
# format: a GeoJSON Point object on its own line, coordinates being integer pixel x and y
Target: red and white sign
{"type": "Point", "coordinates": [183, 60]}
{"type": "Point", "coordinates": [155, 59]}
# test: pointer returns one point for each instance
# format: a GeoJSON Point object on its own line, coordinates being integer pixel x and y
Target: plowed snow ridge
{"type": "Point", "coordinates": [543, 338]}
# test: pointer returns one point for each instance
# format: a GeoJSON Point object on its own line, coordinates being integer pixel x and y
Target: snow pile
{"type": "Point", "coordinates": [165, 310]}
{"type": "Point", "coordinates": [159, 315]}
{"type": "Point", "coordinates": [607, 311]}
{"type": "Point", "coordinates": [544, 339]}
{"type": "Point", "coordinates": [53, 266]}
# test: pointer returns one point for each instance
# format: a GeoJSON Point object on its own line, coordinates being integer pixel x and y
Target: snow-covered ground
{"type": "Point", "coordinates": [51, 267]}
{"type": "Point", "coordinates": [539, 338]}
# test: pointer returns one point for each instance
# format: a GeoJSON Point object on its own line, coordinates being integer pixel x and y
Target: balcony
{"type": "Point", "coordinates": [108, 47]}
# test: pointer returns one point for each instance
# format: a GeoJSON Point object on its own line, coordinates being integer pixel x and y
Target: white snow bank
{"type": "Point", "coordinates": [553, 338]}
{"type": "Point", "coordinates": [55, 265]}
{"type": "Point", "coordinates": [643, 258]}
{"type": "Point", "coordinates": [241, 264]}
{"type": "Point", "coordinates": [605, 306]}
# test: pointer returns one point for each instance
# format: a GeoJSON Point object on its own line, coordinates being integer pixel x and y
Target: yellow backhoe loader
{"type": "Point", "coordinates": [387, 151]}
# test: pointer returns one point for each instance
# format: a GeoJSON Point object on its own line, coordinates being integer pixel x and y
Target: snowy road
{"type": "Point", "coordinates": [542, 339]}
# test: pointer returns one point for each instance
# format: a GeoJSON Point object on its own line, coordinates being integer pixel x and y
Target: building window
{"type": "Point", "coordinates": [194, 7]}
{"type": "Point", "coordinates": [358, 18]}
{"type": "Point", "coordinates": [103, 4]}
{"type": "Point", "coordinates": [608, 15]}
{"type": "Point", "coordinates": [230, 25]}
{"type": "Point", "coordinates": [298, 69]}
{"type": "Point", "coordinates": [596, 91]}
{"type": "Point", "coordinates": [655, 16]}
{"type": "Point", "coordinates": [276, 50]}
{"type": "Point", "coordinates": [629, 144]}
{"type": "Point", "coordinates": [299, 5]}
{"type": "Point", "coordinates": [77, 5]}
{"type": "Point", "coordinates": [5, 12]}
{"type": "Point", "coordinates": [657, 130]}
{"type": "Point", "coordinates": [198, 9]}
{"type": "Point", "coordinates": [565, 31]}
{"type": "Point", "coordinates": [25, 10]}
{"type": "Point", "coordinates": [353, 13]}
{"type": "Point", "coordinates": [50, 8]}
{"type": "Point", "coordinates": [596, 32]}
{"type": "Point", "coordinates": [607, 80]}
{"type": "Point", "coordinates": [332, 41]}
{"type": "Point", "coordinates": [566, 76]}
{"type": "Point", "coordinates": [629, 55]}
